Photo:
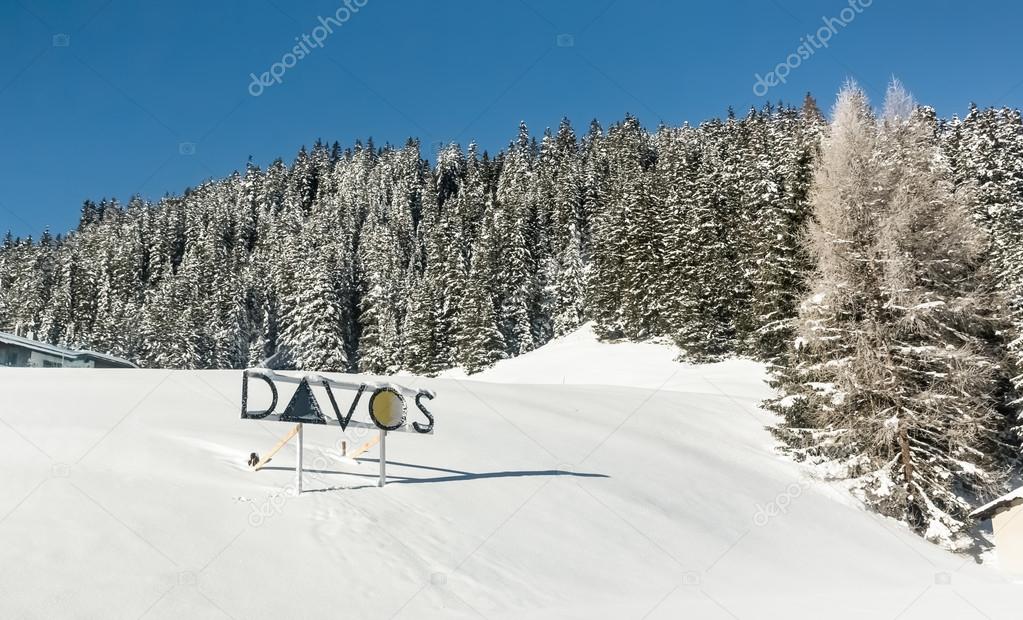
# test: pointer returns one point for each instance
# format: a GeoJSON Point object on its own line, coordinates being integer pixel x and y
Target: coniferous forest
{"type": "Point", "coordinates": [874, 259]}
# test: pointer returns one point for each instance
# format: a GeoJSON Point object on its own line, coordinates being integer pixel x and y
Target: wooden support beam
{"type": "Point", "coordinates": [277, 448]}
{"type": "Point", "coordinates": [364, 448]}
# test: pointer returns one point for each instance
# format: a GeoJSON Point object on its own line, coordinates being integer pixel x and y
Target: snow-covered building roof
{"type": "Point", "coordinates": [70, 355]}
{"type": "Point", "coordinates": [1004, 502]}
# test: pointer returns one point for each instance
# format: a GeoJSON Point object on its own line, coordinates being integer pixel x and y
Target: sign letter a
{"type": "Point", "coordinates": [303, 407]}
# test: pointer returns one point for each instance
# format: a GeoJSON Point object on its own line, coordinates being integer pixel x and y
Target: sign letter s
{"type": "Point", "coordinates": [429, 416]}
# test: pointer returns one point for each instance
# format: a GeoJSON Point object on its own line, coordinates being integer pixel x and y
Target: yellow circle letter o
{"type": "Point", "coordinates": [387, 408]}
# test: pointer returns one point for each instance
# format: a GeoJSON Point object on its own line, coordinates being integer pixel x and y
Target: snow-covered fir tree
{"type": "Point", "coordinates": [986, 149]}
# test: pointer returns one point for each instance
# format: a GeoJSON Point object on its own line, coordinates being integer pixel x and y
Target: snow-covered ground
{"type": "Point", "coordinates": [583, 480]}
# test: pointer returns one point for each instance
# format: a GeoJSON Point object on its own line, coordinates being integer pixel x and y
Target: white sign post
{"type": "Point", "coordinates": [298, 462]}
{"type": "Point", "coordinates": [388, 410]}
{"type": "Point", "coordinates": [383, 458]}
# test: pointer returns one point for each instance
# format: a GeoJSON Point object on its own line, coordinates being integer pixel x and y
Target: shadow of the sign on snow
{"type": "Point", "coordinates": [458, 475]}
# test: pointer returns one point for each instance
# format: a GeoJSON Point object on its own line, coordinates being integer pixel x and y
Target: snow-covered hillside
{"type": "Point", "coordinates": [582, 480]}
{"type": "Point", "coordinates": [580, 359]}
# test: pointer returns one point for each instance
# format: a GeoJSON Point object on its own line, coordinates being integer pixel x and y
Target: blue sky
{"type": "Point", "coordinates": [115, 97]}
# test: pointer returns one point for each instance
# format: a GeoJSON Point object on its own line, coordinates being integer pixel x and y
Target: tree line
{"type": "Point", "coordinates": [373, 259]}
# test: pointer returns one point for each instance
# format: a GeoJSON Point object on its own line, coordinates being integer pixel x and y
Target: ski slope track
{"type": "Point", "coordinates": [582, 480]}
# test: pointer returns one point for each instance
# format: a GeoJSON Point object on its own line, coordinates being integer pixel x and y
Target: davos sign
{"type": "Point", "coordinates": [387, 408]}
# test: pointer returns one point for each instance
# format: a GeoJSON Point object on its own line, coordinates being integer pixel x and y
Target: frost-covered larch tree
{"type": "Point", "coordinates": [898, 377]}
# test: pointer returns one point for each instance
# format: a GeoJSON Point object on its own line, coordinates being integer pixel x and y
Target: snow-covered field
{"type": "Point", "coordinates": [583, 480]}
